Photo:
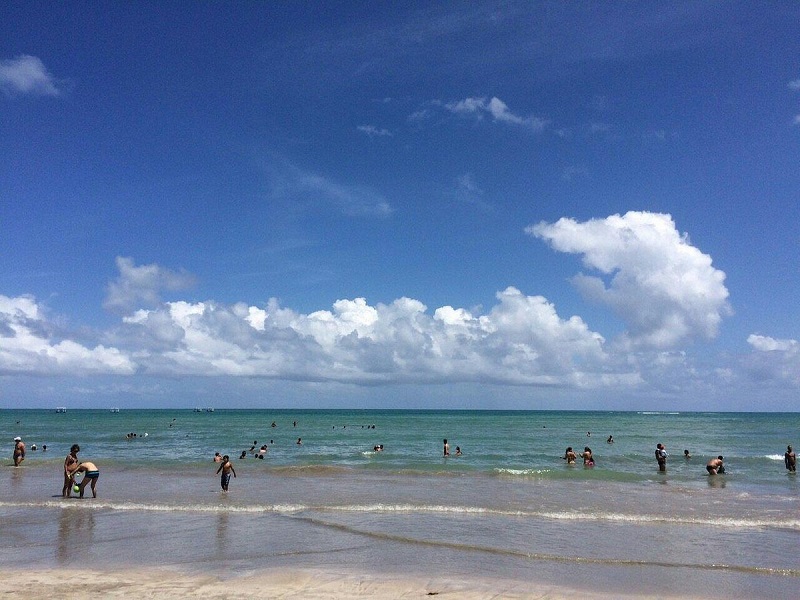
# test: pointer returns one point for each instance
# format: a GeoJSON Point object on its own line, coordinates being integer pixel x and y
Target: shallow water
{"type": "Point", "coordinates": [510, 507]}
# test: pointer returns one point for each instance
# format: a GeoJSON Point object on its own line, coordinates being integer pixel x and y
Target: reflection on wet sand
{"type": "Point", "coordinates": [75, 534]}
{"type": "Point", "coordinates": [222, 534]}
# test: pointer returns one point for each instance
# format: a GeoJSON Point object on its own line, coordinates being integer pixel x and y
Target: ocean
{"type": "Point", "coordinates": [508, 508]}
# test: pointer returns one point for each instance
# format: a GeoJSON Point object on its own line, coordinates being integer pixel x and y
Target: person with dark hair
{"type": "Point", "coordinates": [661, 457]}
{"type": "Point", "coordinates": [227, 469]}
{"type": "Point", "coordinates": [70, 464]}
{"type": "Point", "coordinates": [790, 460]}
{"type": "Point", "coordinates": [715, 466]}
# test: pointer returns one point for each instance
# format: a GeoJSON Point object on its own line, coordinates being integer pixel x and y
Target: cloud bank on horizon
{"type": "Point", "coordinates": [664, 289]}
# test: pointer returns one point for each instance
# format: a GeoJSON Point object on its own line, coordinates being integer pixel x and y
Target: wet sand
{"type": "Point", "coordinates": [285, 584]}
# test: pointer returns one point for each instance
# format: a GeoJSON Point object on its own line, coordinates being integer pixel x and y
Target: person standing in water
{"type": "Point", "coordinates": [70, 464]}
{"type": "Point", "coordinates": [227, 469]}
{"type": "Point", "coordinates": [715, 466]}
{"type": "Point", "coordinates": [19, 451]}
{"type": "Point", "coordinates": [790, 460]}
{"type": "Point", "coordinates": [661, 457]}
{"type": "Point", "coordinates": [91, 475]}
{"type": "Point", "coordinates": [446, 448]}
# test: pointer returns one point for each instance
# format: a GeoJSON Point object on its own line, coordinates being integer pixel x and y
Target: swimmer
{"type": "Point", "coordinates": [446, 448]}
{"type": "Point", "coordinates": [458, 450]}
{"type": "Point", "coordinates": [715, 466]}
{"type": "Point", "coordinates": [610, 439]}
{"type": "Point", "coordinates": [217, 457]}
{"type": "Point", "coordinates": [588, 458]}
{"type": "Point", "coordinates": [570, 456]}
{"type": "Point", "coordinates": [686, 455]}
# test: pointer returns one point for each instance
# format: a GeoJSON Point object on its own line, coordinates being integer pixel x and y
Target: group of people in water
{"type": "Point", "coordinates": [571, 456]}
{"type": "Point", "coordinates": [447, 449]}
{"type": "Point", "coordinates": [715, 466]}
{"type": "Point", "coordinates": [73, 467]}
{"type": "Point", "coordinates": [19, 450]}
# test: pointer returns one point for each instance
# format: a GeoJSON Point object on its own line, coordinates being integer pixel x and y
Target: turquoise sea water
{"type": "Point", "coordinates": [509, 507]}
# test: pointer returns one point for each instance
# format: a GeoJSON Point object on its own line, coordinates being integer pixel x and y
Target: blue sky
{"type": "Point", "coordinates": [358, 204]}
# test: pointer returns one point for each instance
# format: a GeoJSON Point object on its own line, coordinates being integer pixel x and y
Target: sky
{"type": "Point", "coordinates": [485, 205]}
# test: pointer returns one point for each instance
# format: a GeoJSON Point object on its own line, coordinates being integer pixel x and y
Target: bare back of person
{"type": "Point", "coordinates": [90, 476]}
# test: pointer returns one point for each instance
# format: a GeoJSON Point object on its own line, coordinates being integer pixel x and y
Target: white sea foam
{"type": "Point", "coordinates": [523, 471]}
{"type": "Point", "coordinates": [289, 509]}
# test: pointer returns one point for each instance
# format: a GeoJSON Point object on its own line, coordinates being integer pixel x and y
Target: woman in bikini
{"type": "Point", "coordinates": [70, 464]}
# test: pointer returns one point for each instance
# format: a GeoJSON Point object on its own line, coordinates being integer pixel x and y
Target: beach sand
{"type": "Point", "coordinates": [285, 584]}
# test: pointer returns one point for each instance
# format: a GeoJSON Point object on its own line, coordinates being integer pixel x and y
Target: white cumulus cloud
{"type": "Point", "coordinates": [29, 344]}
{"type": "Point", "coordinates": [764, 343]}
{"type": "Point", "coordinates": [27, 75]}
{"type": "Point", "coordinates": [137, 285]}
{"type": "Point", "coordinates": [664, 289]}
{"type": "Point", "coordinates": [773, 360]}
{"type": "Point", "coordinates": [521, 341]}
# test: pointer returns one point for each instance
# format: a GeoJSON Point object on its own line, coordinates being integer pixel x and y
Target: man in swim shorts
{"type": "Point", "coordinates": [227, 469]}
{"type": "Point", "coordinates": [91, 475]}
{"type": "Point", "coordinates": [715, 466]}
{"type": "Point", "coordinates": [790, 460]}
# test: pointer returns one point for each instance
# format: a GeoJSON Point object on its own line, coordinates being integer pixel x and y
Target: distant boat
{"type": "Point", "coordinates": [61, 409]}
{"type": "Point", "coordinates": [198, 409]}
{"type": "Point", "coordinates": [114, 410]}
{"type": "Point", "coordinates": [210, 409]}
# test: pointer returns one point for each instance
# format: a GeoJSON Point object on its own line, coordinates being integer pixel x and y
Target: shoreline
{"type": "Point", "coordinates": [285, 583]}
